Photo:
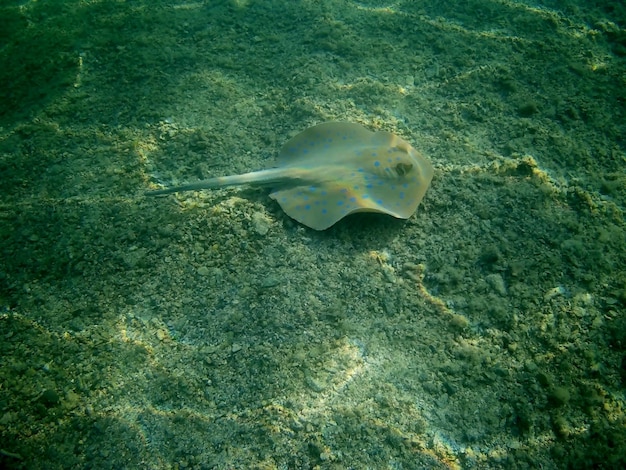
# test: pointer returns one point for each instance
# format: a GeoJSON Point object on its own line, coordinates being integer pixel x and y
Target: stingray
{"type": "Point", "coordinates": [335, 169]}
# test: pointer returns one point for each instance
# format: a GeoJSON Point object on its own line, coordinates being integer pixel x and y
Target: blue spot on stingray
{"type": "Point", "coordinates": [401, 195]}
{"type": "Point", "coordinates": [376, 163]}
{"type": "Point", "coordinates": [405, 185]}
{"type": "Point", "coordinates": [360, 170]}
{"type": "Point", "coordinates": [324, 211]}
{"type": "Point", "coordinates": [307, 207]}
{"type": "Point", "coordinates": [374, 154]}
{"type": "Point", "coordinates": [369, 186]}
{"type": "Point", "coordinates": [340, 203]}
{"type": "Point", "coordinates": [312, 188]}
{"type": "Point", "coordinates": [323, 193]}
{"type": "Point", "coordinates": [379, 201]}
{"type": "Point", "coordinates": [352, 199]}
{"type": "Point", "coordinates": [343, 190]}
{"type": "Point", "coordinates": [356, 188]}
{"type": "Point", "coordinates": [365, 196]}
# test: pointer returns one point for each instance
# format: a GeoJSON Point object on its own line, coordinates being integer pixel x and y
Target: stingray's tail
{"type": "Point", "coordinates": [206, 184]}
{"type": "Point", "coordinates": [261, 178]}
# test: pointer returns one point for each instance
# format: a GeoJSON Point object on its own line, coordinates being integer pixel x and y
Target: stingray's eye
{"type": "Point", "coordinates": [401, 147]}
{"type": "Point", "coordinates": [403, 168]}
{"type": "Point", "coordinates": [404, 147]}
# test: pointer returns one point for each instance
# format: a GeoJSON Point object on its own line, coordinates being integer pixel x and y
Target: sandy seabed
{"type": "Point", "coordinates": [210, 330]}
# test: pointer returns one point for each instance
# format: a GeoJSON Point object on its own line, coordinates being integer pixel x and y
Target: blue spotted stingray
{"type": "Point", "coordinates": [335, 169]}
